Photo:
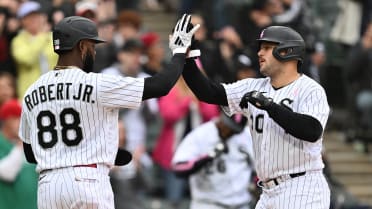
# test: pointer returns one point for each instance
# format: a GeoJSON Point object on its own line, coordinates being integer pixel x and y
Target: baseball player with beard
{"type": "Point", "coordinates": [69, 121]}
{"type": "Point", "coordinates": [287, 114]}
{"type": "Point", "coordinates": [217, 159]}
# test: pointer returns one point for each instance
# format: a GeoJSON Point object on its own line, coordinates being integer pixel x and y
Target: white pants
{"type": "Point", "coordinates": [207, 205]}
{"type": "Point", "coordinates": [306, 192]}
{"type": "Point", "coordinates": [75, 188]}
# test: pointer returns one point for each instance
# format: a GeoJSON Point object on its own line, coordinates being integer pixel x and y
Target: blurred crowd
{"type": "Point", "coordinates": [338, 34]}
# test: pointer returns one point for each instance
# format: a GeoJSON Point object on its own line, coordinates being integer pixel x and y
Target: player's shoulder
{"type": "Point", "coordinates": [42, 79]}
{"type": "Point", "coordinates": [310, 83]}
{"type": "Point", "coordinates": [112, 70]}
{"type": "Point", "coordinates": [249, 82]}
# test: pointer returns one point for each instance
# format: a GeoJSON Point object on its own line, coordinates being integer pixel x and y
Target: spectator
{"type": "Point", "coordinates": [359, 76]}
{"type": "Point", "coordinates": [87, 8]}
{"type": "Point", "coordinates": [215, 156]}
{"type": "Point", "coordinates": [18, 179]}
{"type": "Point", "coordinates": [217, 54]}
{"type": "Point", "coordinates": [32, 48]}
{"type": "Point", "coordinates": [180, 112]}
{"type": "Point", "coordinates": [128, 26]}
{"type": "Point", "coordinates": [7, 87]}
{"type": "Point", "coordinates": [6, 60]}
{"type": "Point", "coordinates": [243, 66]}
{"type": "Point", "coordinates": [154, 53]}
{"type": "Point", "coordinates": [106, 52]}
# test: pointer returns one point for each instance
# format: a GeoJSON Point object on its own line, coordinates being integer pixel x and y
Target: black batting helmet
{"type": "Point", "coordinates": [70, 30]}
{"type": "Point", "coordinates": [287, 39]}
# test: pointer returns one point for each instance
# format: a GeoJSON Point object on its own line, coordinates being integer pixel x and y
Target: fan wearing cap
{"type": "Point", "coordinates": [154, 52]}
{"type": "Point", "coordinates": [86, 9]}
{"type": "Point", "coordinates": [216, 157]}
{"type": "Point", "coordinates": [244, 67]}
{"type": "Point", "coordinates": [32, 47]}
{"type": "Point", "coordinates": [69, 121]}
{"type": "Point", "coordinates": [18, 179]}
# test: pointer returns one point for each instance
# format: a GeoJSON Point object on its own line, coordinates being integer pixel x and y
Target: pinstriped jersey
{"type": "Point", "coordinates": [71, 117]}
{"type": "Point", "coordinates": [277, 152]}
{"type": "Point", "coordinates": [226, 178]}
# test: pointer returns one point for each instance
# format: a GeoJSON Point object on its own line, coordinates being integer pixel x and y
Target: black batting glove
{"type": "Point", "coordinates": [257, 99]}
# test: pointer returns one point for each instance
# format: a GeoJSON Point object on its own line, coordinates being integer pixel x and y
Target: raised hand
{"type": "Point", "coordinates": [180, 40]}
{"type": "Point", "coordinates": [257, 99]}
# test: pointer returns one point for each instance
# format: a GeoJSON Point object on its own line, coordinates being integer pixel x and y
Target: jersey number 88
{"type": "Point", "coordinates": [71, 125]}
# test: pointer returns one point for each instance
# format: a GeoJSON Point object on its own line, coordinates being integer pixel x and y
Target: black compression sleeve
{"type": "Point", "coordinates": [301, 126]}
{"type": "Point", "coordinates": [30, 157]}
{"type": "Point", "coordinates": [195, 168]}
{"type": "Point", "coordinates": [161, 83]}
{"type": "Point", "coordinates": [203, 88]}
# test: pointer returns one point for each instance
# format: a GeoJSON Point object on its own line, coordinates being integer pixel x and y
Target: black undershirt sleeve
{"type": "Point", "coordinates": [161, 83]}
{"type": "Point", "coordinates": [301, 126]}
{"type": "Point", "coordinates": [203, 88]}
{"type": "Point", "coordinates": [30, 157]}
{"type": "Point", "coordinates": [195, 168]}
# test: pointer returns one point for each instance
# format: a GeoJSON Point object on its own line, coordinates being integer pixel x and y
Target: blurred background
{"type": "Point", "coordinates": [338, 34]}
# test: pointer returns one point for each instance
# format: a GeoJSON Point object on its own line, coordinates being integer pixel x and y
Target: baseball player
{"type": "Point", "coordinates": [69, 122]}
{"type": "Point", "coordinates": [227, 165]}
{"type": "Point", "coordinates": [287, 114]}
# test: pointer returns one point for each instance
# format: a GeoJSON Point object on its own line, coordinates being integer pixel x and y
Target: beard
{"type": "Point", "coordinates": [88, 63]}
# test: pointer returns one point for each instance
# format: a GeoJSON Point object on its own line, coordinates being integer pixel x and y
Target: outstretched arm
{"type": "Point", "coordinates": [179, 42]}
{"type": "Point", "coordinates": [203, 88]}
{"type": "Point", "coordinates": [185, 169]}
{"type": "Point", "coordinates": [161, 83]}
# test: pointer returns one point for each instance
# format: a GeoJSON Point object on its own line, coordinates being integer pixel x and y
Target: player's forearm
{"type": "Point", "coordinates": [11, 165]}
{"type": "Point", "coordinates": [203, 88]}
{"type": "Point", "coordinates": [185, 169]}
{"type": "Point", "coordinates": [161, 83]}
{"type": "Point", "coordinates": [301, 126]}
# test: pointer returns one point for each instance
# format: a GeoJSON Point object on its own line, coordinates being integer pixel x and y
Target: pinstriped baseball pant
{"type": "Point", "coordinates": [75, 188]}
{"type": "Point", "coordinates": [211, 205]}
{"type": "Point", "coordinates": [310, 191]}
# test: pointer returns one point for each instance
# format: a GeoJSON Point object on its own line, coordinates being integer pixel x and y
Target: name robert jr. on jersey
{"type": "Point", "coordinates": [59, 91]}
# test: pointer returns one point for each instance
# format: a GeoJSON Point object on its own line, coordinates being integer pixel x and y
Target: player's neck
{"type": "Point", "coordinates": [68, 60]}
{"type": "Point", "coordinates": [284, 79]}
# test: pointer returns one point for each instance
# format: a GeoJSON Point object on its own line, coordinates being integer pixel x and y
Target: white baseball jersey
{"type": "Point", "coordinates": [277, 152]}
{"type": "Point", "coordinates": [71, 117]}
{"type": "Point", "coordinates": [226, 179]}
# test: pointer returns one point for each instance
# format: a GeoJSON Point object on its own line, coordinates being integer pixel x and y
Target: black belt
{"type": "Point", "coordinates": [276, 181]}
{"type": "Point", "coordinates": [294, 175]}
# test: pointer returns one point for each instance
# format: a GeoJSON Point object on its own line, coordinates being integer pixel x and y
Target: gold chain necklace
{"type": "Point", "coordinates": [60, 67]}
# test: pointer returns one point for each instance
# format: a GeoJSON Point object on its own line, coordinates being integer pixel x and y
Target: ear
{"type": "Point", "coordinates": [82, 48]}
